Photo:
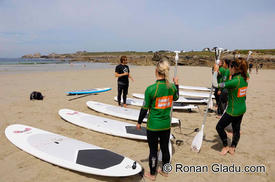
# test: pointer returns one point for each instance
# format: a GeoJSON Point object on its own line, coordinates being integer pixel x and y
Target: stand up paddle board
{"type": "Point", "coordinates": [70, 153]}
{"type": "Point", "coordinates": [117, 111]}
{"type": "Point", "coordinates": [107, 126]}
{"type": "Point", "coordinates": [88, 91]}
{"type": "Point", "coordinates": [194, 88]}
{"type": "Point", "coordinates": [176, 106]}
{"type": "Point", "coordinates": [195, 94]}
{"type": "Point", "coordinates": [103, 125]}
{"type": "Point", "coordinates": [132, 101]}
{"type": "Point", "coordinates": [180, 100]}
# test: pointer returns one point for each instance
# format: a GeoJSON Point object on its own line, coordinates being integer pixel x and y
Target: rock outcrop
{"type": "Point", "coordinates": [204, 58]}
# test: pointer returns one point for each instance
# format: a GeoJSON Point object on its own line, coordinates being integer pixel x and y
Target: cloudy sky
{"type": "Point", "coordinates": [67, 26]}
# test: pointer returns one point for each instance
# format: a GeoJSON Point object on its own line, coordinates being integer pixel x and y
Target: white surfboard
{"type": "Point", "coordinates": [176, 105]}
{"type": "Point", "coordinates": [180, 100]}
{"type": "Point", "coordinates": [117, 111]}
{"type": "Point", "coordinates": [103, 125]}
{"type": "Point", "coordinates": [70, 153]}
{"type": "Point", "coordinates": [194, 88]}
{"type": "Point", "coordinates": [107, 126]}
{"type": "Point", "coordinates": [195, 94]}
{"type": "Point", "coordinates": [132, 101]}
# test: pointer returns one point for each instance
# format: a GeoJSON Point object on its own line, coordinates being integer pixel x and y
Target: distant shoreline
{"type": "Point", "coordinates": [51, 67]}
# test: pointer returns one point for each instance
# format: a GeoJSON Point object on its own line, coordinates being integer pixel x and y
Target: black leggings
{"type": "Point", "coordinates": [122, 89]}
{"type": "Point", "coordinates": [236, 126]}
{"type": "Point", "coordinates": [152, 138]}
{"type": "Point", "coordinates": [223, 97]}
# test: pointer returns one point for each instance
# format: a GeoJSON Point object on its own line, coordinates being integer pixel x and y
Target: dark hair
{"type": "Point", "coordinates": [240, 66]}
{"type": "Point", "coordinates": [227, 62]}
{"type": "Point", "coordinates": [123, 58]}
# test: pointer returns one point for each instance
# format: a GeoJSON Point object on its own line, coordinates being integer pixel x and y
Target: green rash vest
{"type": "Point", "coordinates": [237, 88]}
{"type": "Point", "coordinates": [158, 99]}
{"type": "Point", "coordinates": [224, 74]}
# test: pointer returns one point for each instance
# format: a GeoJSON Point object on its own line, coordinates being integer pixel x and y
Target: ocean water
{"type": "Point", "coordinates": [19, 65]}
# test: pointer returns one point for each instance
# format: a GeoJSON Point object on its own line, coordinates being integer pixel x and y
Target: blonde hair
{"type": "Point", "coordinates": [163, 69]}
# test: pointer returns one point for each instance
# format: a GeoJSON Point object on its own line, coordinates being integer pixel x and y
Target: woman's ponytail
{"type": "Point", "coordinates": [163, 70]}
{"type": "Point", "coordinates": [241, 66]}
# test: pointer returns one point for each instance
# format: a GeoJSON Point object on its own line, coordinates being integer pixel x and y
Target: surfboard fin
{"type": "Point", "coordinates": [134, 166]}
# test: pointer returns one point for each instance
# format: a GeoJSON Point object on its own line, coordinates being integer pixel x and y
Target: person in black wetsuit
{"type": "Point", "coordinates": [250, 66]}
{"type": "Point", "coordinates": [122, 71]}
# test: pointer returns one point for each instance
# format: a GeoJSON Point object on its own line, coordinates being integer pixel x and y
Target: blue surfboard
{"type": "Point", "coordinates": [88, 91]}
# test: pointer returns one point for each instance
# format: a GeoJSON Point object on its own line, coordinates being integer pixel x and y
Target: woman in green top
{"type": "Point", "coordinates": [236, 107]}
{"type": "Point", "coordinates": [158, 100]}
{"type": "Point", "coordinates": [224, 74]}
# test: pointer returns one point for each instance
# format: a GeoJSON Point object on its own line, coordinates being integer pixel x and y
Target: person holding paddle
{"type": "Point", "coordinates": [158, 100]}
{"type": "Point", "coordinates": [223, 76]}
{"type": "Point", "coordinates": [236, 108]}
{"type": "Point", "coordinates": [122, 71]}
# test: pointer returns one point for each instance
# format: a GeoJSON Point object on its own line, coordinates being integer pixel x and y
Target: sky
{"type": "Point", "coordinates": [68, 26]}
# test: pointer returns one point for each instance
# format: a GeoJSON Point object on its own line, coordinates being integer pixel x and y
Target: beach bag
{"type": "Point", "coordinates": [36, 96]}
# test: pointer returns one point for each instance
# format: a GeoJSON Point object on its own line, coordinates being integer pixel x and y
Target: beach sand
{"type": "Point", "coordinates": [256, 146]}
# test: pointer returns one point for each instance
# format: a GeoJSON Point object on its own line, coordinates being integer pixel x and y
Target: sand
{"type": "Point", "coordinates": [256, 146]}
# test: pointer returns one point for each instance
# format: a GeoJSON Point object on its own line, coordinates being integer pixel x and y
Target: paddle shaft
{"type": "Point", "coordinates": [175, 74]}
{"type": "Point", "coordinates": [197, 141]}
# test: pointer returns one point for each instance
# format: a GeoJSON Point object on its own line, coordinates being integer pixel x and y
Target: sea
{"type": "Point", "coordinates": [20, 65]}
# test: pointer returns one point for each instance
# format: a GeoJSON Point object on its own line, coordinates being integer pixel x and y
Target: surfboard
{"type": "Point", "coordinates": [103, 125]}
{"type": "Point", "coordinates": [107, 126]}
{"type": "Point", "coordinates": [176, 105]}
{"type": "Point", "coordinates": [180, 100]}
{"type": "Point", "coordinates": [88, 91]}
{"type": "Point", "coordinates": [194, 88]}
{"type": "Point", "coordinates": [117, 111]}
{"type": "Point", "coordinates": [70, 153]}
{"type": "Point", "coordinates": [195, 94]}
{"type": "Point", "coordinates": [132, 101]}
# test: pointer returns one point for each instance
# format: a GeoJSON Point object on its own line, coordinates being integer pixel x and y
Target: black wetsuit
{"type": "Point", "coordinates": [122, 82]}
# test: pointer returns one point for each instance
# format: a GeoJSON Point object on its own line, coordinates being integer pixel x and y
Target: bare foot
{"type": "Point", "coordinates": [224, 150]}
{"type": "Point", "coordinates": [162, 173]}
{"type": "Point", "coordinates": [231, 150]}
{"type": "Point", "coordinates": [125, 105]}
{"type": "Point", "coordinates": [149, 176]}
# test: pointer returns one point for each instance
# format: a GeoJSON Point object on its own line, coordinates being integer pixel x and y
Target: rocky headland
{"type": "Point", "coordinates": [193, 58]}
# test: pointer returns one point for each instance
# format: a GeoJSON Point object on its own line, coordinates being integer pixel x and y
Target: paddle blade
{"type": "Point", "coordinates": [197, 141]}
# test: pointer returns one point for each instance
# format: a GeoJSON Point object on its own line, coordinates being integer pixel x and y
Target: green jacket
{"type": "Point", "coordinates": [158, 99]}
{"type": "Point", "coordinates": [237, 88]}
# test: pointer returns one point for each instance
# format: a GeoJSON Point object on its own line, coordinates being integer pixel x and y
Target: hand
{"type": "Point", "coordinates": [126, 73]}
{"type": "Point", "coordinates": [216, 67]}
{"type": "Point", "coordinates": [138, 126]}
{"type": "Point", "coordinates": [175, 80]}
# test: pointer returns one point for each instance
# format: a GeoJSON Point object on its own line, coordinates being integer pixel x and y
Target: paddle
{"type": "Point", "coordinates": [197, 141]}
{"type": "Point", "coordinates": [175, 74]}
{"type": "Point", "coordinates": [249, 54]}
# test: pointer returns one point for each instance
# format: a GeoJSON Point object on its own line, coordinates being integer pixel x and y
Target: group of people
{"type": "Point", "coordinates": [258, 66]}
{"type": "Point", "coordinates": [230, 80]}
